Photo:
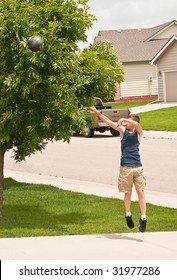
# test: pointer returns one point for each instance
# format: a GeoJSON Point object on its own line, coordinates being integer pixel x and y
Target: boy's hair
{"type": "Point", "coordinates": [134, 117]}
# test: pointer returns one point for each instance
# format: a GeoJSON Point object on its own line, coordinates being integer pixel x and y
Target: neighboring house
{"type": "Point", "coordinates": [149, 59]}
{"type": "Point", "coordinates": [166, 63]}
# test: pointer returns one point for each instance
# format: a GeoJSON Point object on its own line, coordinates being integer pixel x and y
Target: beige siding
{"type": "Point", "coordinates": [168, 33]}
{"type": "Point", "coordinates": [140, 80]}
{"type": "Point", "coordinates": [166, 63]}
{"type": "Point", "coordinates": [118, 92]}
{"type": "Point", "coordinates": [139, 88]}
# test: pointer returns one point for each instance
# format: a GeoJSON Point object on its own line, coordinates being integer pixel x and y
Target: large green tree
{"type": "Point", "coordinates": [37, 103]}
{"type": "Point", "coordinates": [42, 94]}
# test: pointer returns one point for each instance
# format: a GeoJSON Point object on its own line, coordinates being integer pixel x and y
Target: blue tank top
{"type": "Point", "coordinates": [130, 149]}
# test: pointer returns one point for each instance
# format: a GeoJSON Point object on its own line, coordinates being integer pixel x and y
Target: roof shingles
{"type": "Point", "coordinates": [132, 45]}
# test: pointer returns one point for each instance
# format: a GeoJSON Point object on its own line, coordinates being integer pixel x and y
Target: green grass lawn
{"type": "Point", "coordinates": [41, 210]}
{"type": "Point", "coordinates": [128, 104]}
{"type": "Point", "coordinates": [163, 119]}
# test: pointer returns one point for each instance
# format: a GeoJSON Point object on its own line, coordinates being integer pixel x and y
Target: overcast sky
{"type": "Point", "coordinates": [125, 14]}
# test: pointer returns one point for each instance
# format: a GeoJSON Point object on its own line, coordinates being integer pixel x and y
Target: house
{"type": "Point", "coordinates": [166, 63]}
{"type": "Point", "coordinates": [149, 59]}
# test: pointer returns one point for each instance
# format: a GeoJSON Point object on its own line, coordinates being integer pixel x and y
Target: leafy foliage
{"type": "Point", "coordinates": [101, 70]}
{"type": "Point", "coordinates": [37, 102]}
{"type": "Point", "coordinates": [42, 94]}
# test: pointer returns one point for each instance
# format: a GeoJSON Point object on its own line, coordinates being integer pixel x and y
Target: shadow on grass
{"type": "Point", "coordinates": [25, 217]}
{"type": "Point", "coordinates": [35, 210]}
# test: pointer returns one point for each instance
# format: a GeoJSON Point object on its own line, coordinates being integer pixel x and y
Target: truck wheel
{"type": "Point", "coordinates": [89, 132]}
{"type": "Point", "coordinates": [114, 132]}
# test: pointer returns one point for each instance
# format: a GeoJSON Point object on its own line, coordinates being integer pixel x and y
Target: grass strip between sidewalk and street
{"type": "Point", "coordinates": [160, 120]}
{"type": "Point", "coordinates": [43, 210]}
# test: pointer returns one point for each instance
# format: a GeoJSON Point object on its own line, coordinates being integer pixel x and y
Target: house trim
{"type": "Point", "coordinates": [160, 31]}
{"type": "Point", "coordinates": [163, 49]}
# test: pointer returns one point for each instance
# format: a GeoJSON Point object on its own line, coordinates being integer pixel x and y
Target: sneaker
{"type": "Point", "coordinates": [129, 221]}
{"type": "Point", "coordinates": [142, 226]}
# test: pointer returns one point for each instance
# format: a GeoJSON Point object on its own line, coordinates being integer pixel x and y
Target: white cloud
{"type": "Point", "coordinates": [124, 14]}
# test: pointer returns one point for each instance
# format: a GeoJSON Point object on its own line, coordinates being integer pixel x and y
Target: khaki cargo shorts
{"type": "Point", "coordinates": [129, 176]}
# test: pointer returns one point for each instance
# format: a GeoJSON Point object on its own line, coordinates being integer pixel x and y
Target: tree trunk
{"type": "Point", "coordinates": [1, 180]}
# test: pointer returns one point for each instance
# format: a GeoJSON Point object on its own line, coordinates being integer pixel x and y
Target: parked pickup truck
{"type": "Point", "coordinates": [95, 124]}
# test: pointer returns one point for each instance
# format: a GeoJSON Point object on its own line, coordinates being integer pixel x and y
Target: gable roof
{"type": "Point", "coordinates": [135, 45]}
{"type": "Point", "coordinates": [164, 27]}
{"type": "Point", "coordinates": [167, 45]}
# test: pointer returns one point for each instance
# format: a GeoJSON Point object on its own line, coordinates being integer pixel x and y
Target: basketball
{"type": "Point", "coordinates": [35, 43]}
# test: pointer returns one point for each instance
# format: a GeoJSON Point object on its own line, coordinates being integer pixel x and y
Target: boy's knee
{"type": "Point", "coordinates": [140, 193]}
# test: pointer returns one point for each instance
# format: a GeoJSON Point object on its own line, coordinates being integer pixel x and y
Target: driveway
{"type": "Point", "coordinates": [152, 107]}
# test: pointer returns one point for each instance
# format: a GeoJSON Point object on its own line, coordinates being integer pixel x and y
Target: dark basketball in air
{"type": "Point", "coordinates": [35, 43]}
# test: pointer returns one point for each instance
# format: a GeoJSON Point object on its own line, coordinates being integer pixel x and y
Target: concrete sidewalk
{"type": "Point", "coordinates": [124, 246]}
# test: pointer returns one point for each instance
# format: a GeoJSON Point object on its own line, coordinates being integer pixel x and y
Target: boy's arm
{"type": "Point", "coordinates": [105, 119]}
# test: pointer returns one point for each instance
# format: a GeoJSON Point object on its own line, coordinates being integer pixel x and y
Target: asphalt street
{"type": "Point", "coordinates": [97, 160]}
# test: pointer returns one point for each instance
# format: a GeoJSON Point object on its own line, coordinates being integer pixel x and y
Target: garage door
{"type": "Point", "coordinates": [171, 86]}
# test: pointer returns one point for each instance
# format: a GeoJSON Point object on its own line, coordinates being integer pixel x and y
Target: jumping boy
{"type": "Point", "coordinates": [131, 170]}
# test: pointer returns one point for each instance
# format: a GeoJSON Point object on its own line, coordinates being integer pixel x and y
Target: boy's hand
{"type": "Point", "coordinates": [119, 123]}
{"type": "Point", "coordinates": [93, 108]}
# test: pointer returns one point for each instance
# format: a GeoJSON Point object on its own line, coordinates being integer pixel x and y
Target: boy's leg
{"type": "Point", "coordinates": [125, 185]}
{"type": "Point", "coordinates": [127, 201]}
{"type": "Point", "coordinates": [127, 205]}
{"type": "Point", "coordinates": [142, 204]}
{"type": "Point", "coordinates": [140, 183]}
{"type": "Point", "coordinates": [142, 201]}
